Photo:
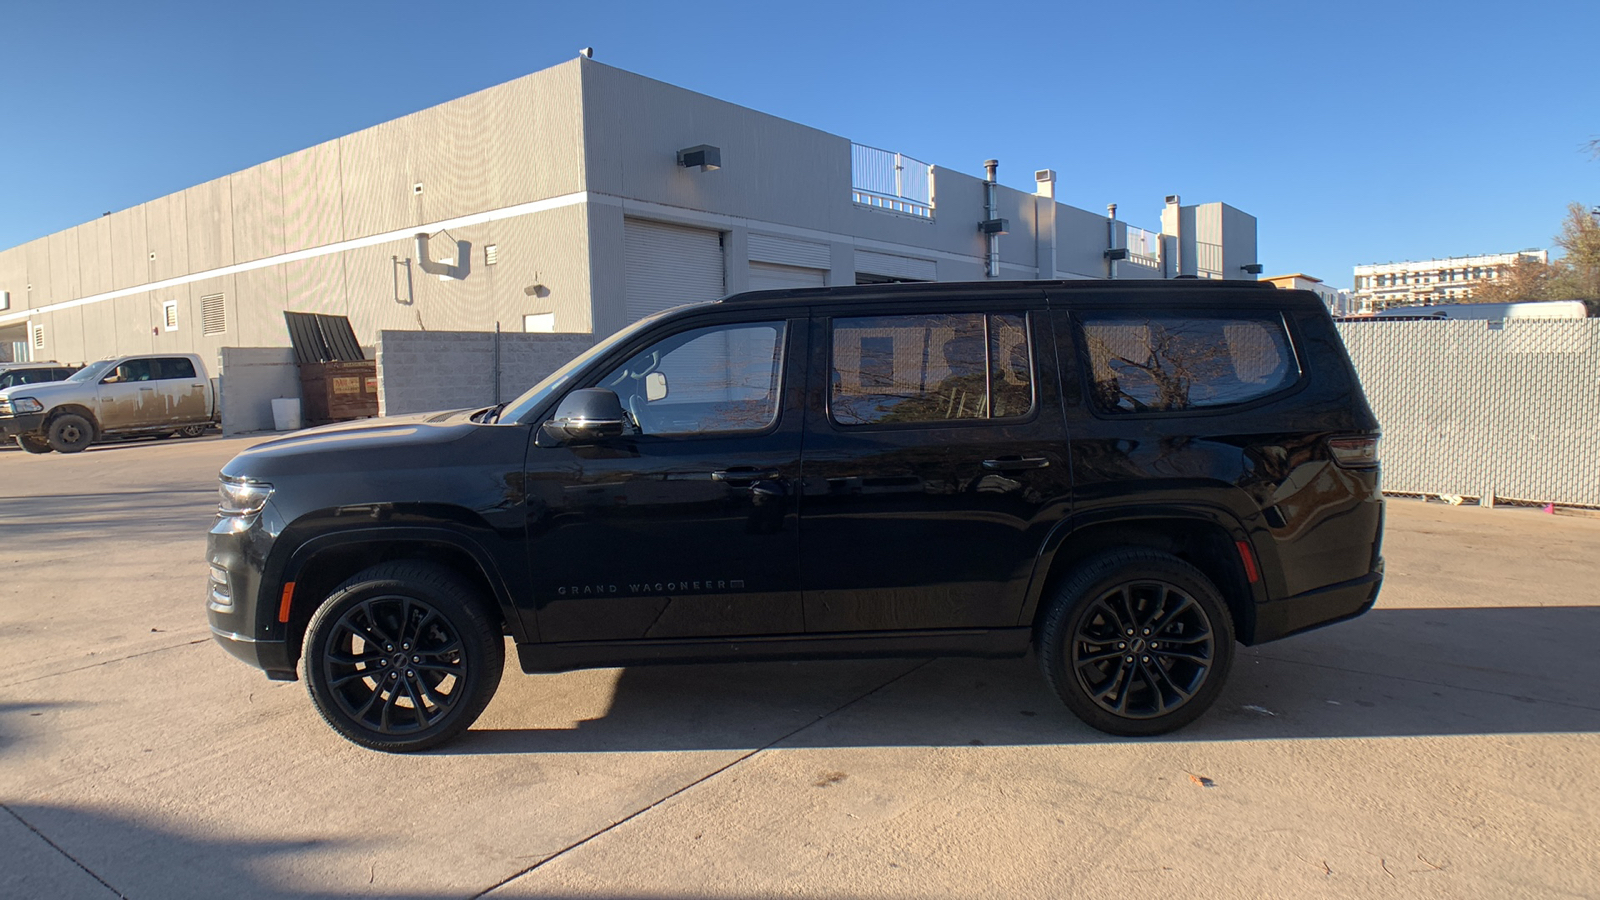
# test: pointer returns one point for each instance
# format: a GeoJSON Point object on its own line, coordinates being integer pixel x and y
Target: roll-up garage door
{"type": "Point", "coordinates": [771, 276]}
{"type": "Point", "coordinates": [666, 265]}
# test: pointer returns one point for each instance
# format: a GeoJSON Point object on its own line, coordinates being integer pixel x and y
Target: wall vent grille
{"type": "Point", "coordinates": [213, 315]}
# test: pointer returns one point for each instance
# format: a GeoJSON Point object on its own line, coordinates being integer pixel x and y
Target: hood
{"type": "Point", "coordinates": [355, 446]}
{"type": "Point", "coordinates": [41, 390]}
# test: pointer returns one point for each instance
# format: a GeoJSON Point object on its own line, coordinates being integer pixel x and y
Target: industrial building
{"type": "Point", "coordinates": [572, 200]}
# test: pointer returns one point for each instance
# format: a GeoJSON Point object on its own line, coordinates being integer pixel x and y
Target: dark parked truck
{"type": "Point", "coordinates": [1126, 478]}
{"type": "Point", "coordinates": [124, 396]}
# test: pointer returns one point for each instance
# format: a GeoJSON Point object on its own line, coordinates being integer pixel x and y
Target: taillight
{"type": "Point", "coordinates": [1355, 452]}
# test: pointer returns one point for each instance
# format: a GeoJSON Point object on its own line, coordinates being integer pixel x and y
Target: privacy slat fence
{"type": "Point", "coordinates": [1509, 411]}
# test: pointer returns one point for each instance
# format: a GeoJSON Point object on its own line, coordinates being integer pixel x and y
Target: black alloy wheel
{"type": "Point", "coordinates": [33, 444]}
{"type": "Point", "coordinates": [402, 657]}
{"type": "Point", "coordinates": [70, 433]}
{"type": "Point", "coordinates": [1137, 643]}
{"type": "Point", "coordinates": [191, 431]}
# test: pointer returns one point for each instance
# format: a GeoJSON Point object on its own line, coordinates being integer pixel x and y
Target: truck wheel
{"type": "Point", "coordinates": [191, 431]}
{"type": "Point", "coordinates": [33, 444]}
{"type": "Point", "coordinates": [1137, 642]}
{"type": "Point", "coordinates": [403, 656]}
{"type": "Point", "coordinates": [70, 433]}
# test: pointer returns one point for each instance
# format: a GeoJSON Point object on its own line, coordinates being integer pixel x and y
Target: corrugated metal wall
{"type": "Point", "coordinates": [1510, 412]}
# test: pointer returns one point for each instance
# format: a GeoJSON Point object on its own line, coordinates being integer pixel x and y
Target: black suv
{"type": "Point", "coordinates": [1125, 477]}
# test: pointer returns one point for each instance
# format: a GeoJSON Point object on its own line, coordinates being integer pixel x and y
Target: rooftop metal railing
{"type": "Point", "coordinates": [891, 181]}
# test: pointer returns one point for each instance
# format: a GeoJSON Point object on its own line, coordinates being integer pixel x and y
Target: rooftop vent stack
{"type": "Point", "coordinates": [991, 168]}
{"type": "Point", "coordinates": [1111, 240]}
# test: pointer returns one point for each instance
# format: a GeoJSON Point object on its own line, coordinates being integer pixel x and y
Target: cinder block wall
{"type": "Point", "coordinates": [1485, 410]}
{"type": "Point", "coordinates": [251, 378]}
{"type": "Point", "coordinates": [419, 371]}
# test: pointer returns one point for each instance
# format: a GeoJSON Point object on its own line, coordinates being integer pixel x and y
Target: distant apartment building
{"type": "Point", "coordinates": [1338, 301]}
{"type": "Point", "coordinates": [1451, 280]}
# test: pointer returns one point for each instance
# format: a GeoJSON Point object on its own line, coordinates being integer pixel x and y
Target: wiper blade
{"type": "Point", "coordinates": [490, 415]}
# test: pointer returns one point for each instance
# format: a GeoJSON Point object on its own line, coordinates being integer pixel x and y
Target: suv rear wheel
{"type": "Point", "coordinates": [402, 656]}
{"type": "Point", "coordinates": [1137, 642]}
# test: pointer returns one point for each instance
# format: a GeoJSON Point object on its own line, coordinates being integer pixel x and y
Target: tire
{"type": "Point", "coordinates": [191, 431]}
{"type": "Point", "coordinates": [70, 433]}
{"type": "Point", "coordinates": [33, 444]}
{"type": "Point", "coordinates": [1156, 678]}
{"type": "Point", "coordinates": [439, 656]}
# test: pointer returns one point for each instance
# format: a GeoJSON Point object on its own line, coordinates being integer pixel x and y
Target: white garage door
{"type": "Point", "coordinates": [771, 276]}
{"type": "Point", "coordinates": [666, 265]}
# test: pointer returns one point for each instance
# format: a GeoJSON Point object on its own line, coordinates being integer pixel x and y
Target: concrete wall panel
{"type": "Point", "coordinates": [256, 195]}
{"type": "Point", "coordinates": [94, 256]}
{"type": "Point", "coordinates": [130, 253]}
{"type": "Point", "coordinates": [39, 288]}
{"type": "Point", "coordinates": [452, 304]}
{"type": "Point", "coordinates": [316, 285]}
{"type": "Point", "coordinates": [533, 136]}
{"type": "Point", "coordinates": [261, 303]}
{"type": "Point", "coordinates": [130, 323]}
{"type": "Point", "coordinates": [422, 371]}
{"type": "Point", "coordinates": [450, 161]}
{"type": "Point", "coordinates": [186, 338]}
{"type": "Point", "coordinates": [1080, 242]}
{"type": "Point", "coordinates": [543, 268]}
{"type": "Point", "coordinates": [772, 169]}
{"type": "Point", "coordinates": [64, 265]}
{"type": "Point", "coordinates": [167, 233]}
{"type": "Point", "coordinates": [376, 182]}
{"type": "Point", "coordinates": [380, 289]}
{"type": "Point", "coordinates": [209, 210]}
{"type": "Point", "coordinates": [251, 378]}
{"type": "Point", "coordinates": [14, 278]}
{"type": "Point", "coordinates": [64, 337]}
{"type": "Point", "coordinates": [313, 202]}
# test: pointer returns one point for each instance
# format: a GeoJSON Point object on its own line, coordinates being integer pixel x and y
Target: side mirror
{"type": "Point", "coordinates": [587, 414]}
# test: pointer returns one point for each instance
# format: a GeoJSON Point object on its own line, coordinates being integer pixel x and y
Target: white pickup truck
{"type": "Point", "coordinates": [124, 396]}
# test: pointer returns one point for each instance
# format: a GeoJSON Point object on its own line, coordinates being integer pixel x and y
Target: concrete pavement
{"type": "Point", "coordinates": [1444, 745]}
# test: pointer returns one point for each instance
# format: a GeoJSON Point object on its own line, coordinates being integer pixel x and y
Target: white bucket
{"type": "Point", "coordinates": [286, 414]}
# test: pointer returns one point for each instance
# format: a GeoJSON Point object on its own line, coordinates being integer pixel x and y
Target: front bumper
{"type": "Point", "coordinates": [22, 423]}
{"type": "Point", "coordinates": [241, 620]}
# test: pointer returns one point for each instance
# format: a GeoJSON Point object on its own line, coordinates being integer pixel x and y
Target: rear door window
{"type": "Point", "coordinates": [173, 367]}
{"type": "Point", "coordinates": [1151, 362]}
{"type": "Point", "coordinates": [930, 368]}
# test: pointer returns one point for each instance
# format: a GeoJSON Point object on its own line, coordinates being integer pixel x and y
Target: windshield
{"type": "Point", "coordinates": [92, 372]}
{"type": "Point", "coordinates": [539, 393]}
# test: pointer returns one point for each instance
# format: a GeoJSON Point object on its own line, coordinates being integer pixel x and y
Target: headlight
{"type": "Point", "coordinates": [242, 498]}
{"type": "Point", "coordinates": [27, 405]}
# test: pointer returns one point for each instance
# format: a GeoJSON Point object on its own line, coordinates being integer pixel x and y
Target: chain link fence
{"type": "Point", "coordinates": [1496, 411]}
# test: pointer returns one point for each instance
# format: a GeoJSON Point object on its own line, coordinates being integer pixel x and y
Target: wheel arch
{"type": "Point", "coordinates": [1205, 538]}
{"type": "Point", "coordinates": [75, 409]}
{"type": "Point", "coordinates": [320, 564]}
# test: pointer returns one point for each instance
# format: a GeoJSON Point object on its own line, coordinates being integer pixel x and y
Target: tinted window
{"type": "Point", "coordinates": [1155, 362]}
{"type": "Point", "coordinates": [717, 379]}
{"type": "Point", "coordinates": [930, 368]}
{"type": "Point", "coordinates": [174, 367]}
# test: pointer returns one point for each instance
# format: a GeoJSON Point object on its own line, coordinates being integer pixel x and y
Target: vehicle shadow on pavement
{"type": "Point", "coordinates": [64, 852]}
{"type": "Point", "coordinates": [1390, 673]}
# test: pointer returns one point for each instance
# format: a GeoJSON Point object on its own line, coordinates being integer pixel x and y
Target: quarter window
{"type": "Point", "coordinates": [1176, 362]}
{"type": "Point", "coordinates": [930, 368]}
{"type": "Point", "coordinates": [718, 379]}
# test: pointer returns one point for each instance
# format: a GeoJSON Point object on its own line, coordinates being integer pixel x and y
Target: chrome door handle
{"type": "Point", "coordinates": [1016, 462]}
{"type": "Point", "coordinates": [743, 476]}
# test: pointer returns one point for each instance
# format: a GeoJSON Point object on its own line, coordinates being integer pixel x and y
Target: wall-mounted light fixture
{"type": "Point", "coordinates": [1251, 269]}
{"type": "Point", "coordinates": [1116, 253]}
{"type": "Point", "coordinates": [994, 226]}
{"type": "Point", "coordinates": [705, 156]}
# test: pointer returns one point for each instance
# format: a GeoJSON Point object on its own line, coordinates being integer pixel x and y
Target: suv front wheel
{"type": "Point", "coordinates": [402, 656]}
{"type": "Point", "coordinates": [1136, 642]}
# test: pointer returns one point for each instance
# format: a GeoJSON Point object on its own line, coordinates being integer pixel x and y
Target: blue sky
{"type": "Point", "coordinates": [1355, 132]}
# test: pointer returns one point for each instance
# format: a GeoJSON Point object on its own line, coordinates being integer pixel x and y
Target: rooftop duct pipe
{"type": "Point", "coordinates": [992, 225]}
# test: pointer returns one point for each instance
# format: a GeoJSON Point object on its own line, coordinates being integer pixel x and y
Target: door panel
{"type": "Point", "coordinates": [935, 464]}
{"type": "Point", "coordinates": [690, 527]}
